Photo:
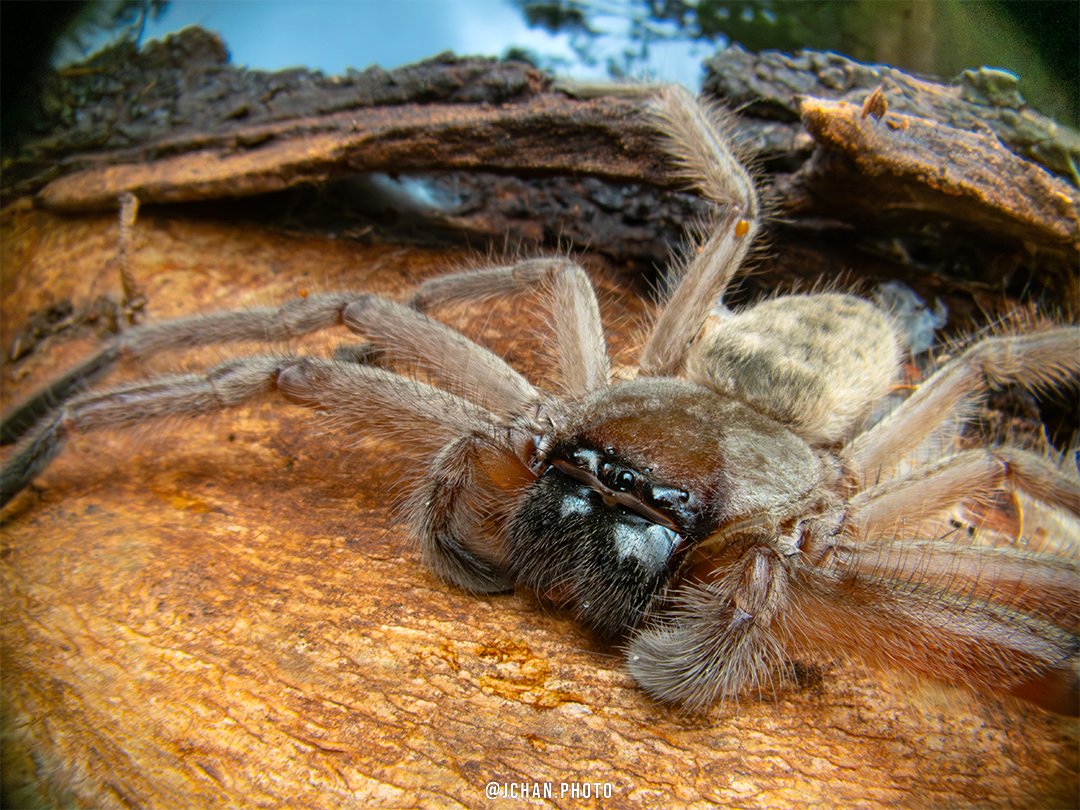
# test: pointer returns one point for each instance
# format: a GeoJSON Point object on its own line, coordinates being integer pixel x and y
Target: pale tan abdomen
{"type": "Point", "coordinates": [816, 363]}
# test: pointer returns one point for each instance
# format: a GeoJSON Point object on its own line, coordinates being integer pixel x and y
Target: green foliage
{"type": "Point", "coordinates": [1037, 41]}
{"type": "Point", "coordinates": [104, 24]}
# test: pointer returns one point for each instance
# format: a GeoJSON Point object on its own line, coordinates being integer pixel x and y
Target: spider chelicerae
{"type": "Point", "coordinates": [739, 503]}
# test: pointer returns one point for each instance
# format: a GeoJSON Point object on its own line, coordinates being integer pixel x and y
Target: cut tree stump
{"type": "Point", "coordinates": [226, 612]}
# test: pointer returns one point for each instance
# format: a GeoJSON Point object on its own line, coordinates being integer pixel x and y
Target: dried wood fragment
{"type": "Point", "coordinates": [908, 163]}
{"type": "Point", "coordinates": [772, 83]}
{"type": "Point", "coordinates": [551, 134]}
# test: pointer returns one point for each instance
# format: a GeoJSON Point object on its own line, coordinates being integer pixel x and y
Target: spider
{"type": "Point", "coordinates": [738, 504]}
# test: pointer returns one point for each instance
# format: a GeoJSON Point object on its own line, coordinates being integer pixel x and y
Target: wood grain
{"type": "Point", "coordinates": [226, 613]}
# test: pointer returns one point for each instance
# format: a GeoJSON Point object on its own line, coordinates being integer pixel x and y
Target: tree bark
{"type": "Point", "coordinates": [227, 612]}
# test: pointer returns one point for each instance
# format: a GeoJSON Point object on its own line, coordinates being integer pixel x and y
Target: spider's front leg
{"type": "Point", "coordinates": [994, 620]}
{"type": "Point", "coordinates": [580, 346]}
{"type": "Point", "coordinates": [771, 589]}
{"type": "Point", "coordinates": [398, 333]}
{"type": "Point", "coordinates": [714, 636]}
{"type": "Point", "coordinates": [696, 138]}
{"type": "Point", "coordinates": [464, 457]}
{"type": "Point", "coordinates": [920, 503]}
{"type": "Point", "coordinates": [990, 620]}
{"type": "Point", "coordinates": [468, 470]}
{"type": "Point", "coordinates": [224, 386]}
{"type": "Point", "coordinates": [293, 319]}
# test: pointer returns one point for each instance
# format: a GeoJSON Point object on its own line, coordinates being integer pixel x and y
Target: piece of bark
{"type": "Point", "coordinates": [903, 165]}
{"type": "Point", "coordinates": [550, 134]}
{"type": "Point", "coordinates": [224, 612]}
{"type": "Point", "coordinates": [181, 94]}
{"type": "Point", "coordinates": [514, 159]}
{"type": "Point", "coordinates": [771, 83]}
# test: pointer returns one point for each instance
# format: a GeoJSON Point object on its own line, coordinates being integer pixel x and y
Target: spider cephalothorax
{"type": "Point", "coordinates": [740, 503]}
{"type": "Point", "coordinates": [632, 501]}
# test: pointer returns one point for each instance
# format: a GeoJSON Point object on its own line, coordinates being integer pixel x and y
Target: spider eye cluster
{"type": "Point", "coordinates": [617, 483]}
{"type": "Point", "coordinates": [601, 534]}
{"type": "Point", "coordinates": [614, 475]}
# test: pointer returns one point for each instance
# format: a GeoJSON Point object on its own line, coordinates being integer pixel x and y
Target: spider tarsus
{"type": "Point", "coordinates": [39, 448]}
{"type": "Point", "coordinates": [17, 422]}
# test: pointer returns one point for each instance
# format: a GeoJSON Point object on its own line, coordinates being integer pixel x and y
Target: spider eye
{"type": "Point", "coordinates": [671, 507]}
{"type": "Point", "coordinates": [617, 478]}
{"type": "Point", "coordinates": [670, 498]}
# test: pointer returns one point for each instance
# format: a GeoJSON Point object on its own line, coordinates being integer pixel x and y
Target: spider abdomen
{"type": "Point", "coordinates": [816, 363]}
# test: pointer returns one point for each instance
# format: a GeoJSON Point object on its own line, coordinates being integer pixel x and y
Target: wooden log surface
{"type": "Point", "coordinates": [225, 612]}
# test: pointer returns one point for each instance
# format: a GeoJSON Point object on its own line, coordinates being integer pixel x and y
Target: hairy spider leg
{"type": "Point", "coordinates": [580, 345]}
{"type": "Point", "coordinates": [696, 140]}
{"type": "Point", "coordinates": [1035, 360]}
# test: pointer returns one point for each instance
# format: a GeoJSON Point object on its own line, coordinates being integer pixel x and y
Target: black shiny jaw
{"type": "Point", "coordinates": [606, 561]}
